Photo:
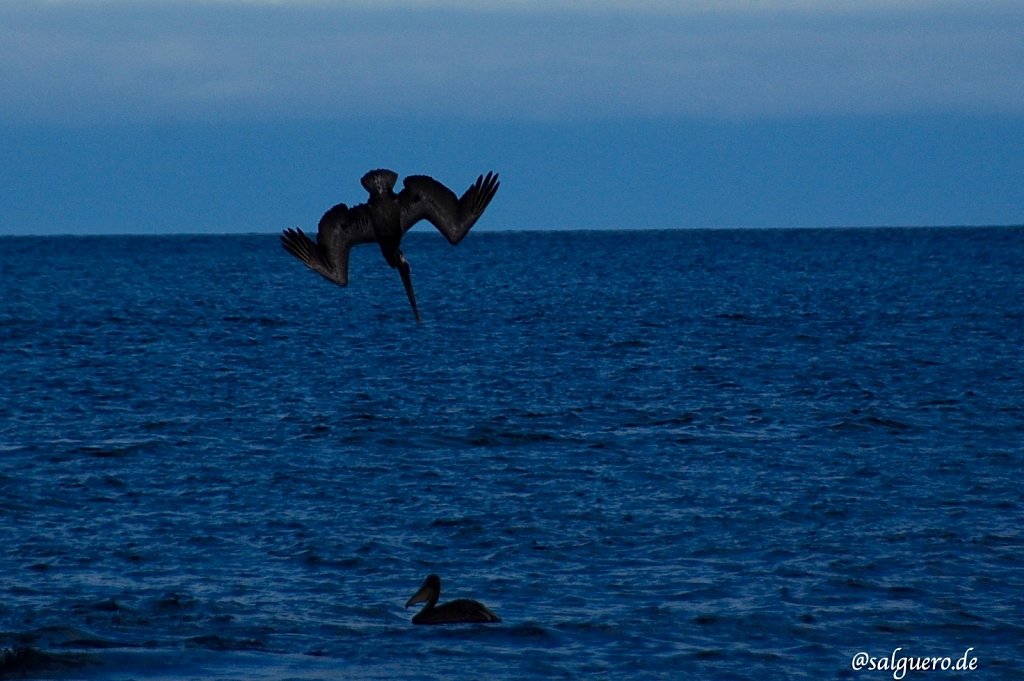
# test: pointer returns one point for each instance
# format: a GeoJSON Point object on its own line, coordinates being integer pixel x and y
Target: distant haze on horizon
{"type": "Point", "coordinates": [252, 115]}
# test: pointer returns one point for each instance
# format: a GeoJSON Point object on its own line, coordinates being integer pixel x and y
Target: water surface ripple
{"type": "Point", "coordinates": [693, 454]}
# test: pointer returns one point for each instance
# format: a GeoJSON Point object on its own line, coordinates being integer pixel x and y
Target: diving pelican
{"type": "Point", "coordinates": [385, 218]}
{"type": "Point", "coordinates": [452, 612]}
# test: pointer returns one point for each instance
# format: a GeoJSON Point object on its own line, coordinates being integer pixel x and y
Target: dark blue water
{"type": "Point", "coordinates": [693, 454]}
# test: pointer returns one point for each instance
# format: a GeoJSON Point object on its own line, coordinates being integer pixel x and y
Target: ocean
{"type": "Point", "coordinates": [738, 454]}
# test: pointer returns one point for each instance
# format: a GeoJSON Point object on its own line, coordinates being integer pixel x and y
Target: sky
{"type": "Point", "coordinates": [214, 116]}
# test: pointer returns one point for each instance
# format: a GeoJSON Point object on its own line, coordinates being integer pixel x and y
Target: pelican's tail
{"type": "Point", "coordinates": [379, 181]}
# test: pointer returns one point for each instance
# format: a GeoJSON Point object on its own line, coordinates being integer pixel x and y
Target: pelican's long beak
{"type": "Point", "coordinates": [421, 596]}
{"type": "Point", "coordinates": [403, 269]}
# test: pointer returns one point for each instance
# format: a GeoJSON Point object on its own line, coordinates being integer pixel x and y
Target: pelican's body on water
{"type": "Point", "coordinates": [461, 610]}
{"type": "Point", "coordinates": [385, 218]}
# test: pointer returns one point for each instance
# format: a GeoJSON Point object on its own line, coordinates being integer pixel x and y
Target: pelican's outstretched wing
{"type": "Point", "coordinates": [424, 198]}
{"type": "Point", "coordinates": [339, 230]}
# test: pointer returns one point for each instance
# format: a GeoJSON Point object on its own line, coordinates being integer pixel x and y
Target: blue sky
{"type": "Point", "coordinates": [253, 115]}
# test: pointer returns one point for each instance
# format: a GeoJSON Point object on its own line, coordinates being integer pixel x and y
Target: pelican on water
{"type": "Point", "coordinates": [385, 218]}
{"type": "Point", "coordinates": [452, 612]}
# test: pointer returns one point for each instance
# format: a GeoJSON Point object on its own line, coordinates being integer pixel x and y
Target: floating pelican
{"type": "Point", "coordinates": [385, 218]}
{"type": "Point", "coordinates": [452, 612]}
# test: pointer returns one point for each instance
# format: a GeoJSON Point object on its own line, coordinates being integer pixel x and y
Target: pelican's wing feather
{"type": "Point", "coordinates": [424, 198]}
{"type": "Point", "coordinates": [339, 230]}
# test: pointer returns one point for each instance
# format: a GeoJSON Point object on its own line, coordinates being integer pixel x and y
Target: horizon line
{"type": "Point", "coordinates": [536, 230]}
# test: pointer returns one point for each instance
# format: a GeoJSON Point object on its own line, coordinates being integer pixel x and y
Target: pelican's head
{"type": "Point", "coordinates": [379, 182]}
{"type": "Point", "coordinates": [428, 591]}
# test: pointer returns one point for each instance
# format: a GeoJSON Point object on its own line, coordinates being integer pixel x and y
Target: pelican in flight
{"type": "Point", "coordinates": [385, 218]}
{"type": "Point", "coordinates": [452, 612]}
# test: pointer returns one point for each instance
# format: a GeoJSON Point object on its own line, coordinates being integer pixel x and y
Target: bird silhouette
{"type": "Point", "coordinates": [461, 610]}
{"type": "Point", "coordinates": [385, 218]}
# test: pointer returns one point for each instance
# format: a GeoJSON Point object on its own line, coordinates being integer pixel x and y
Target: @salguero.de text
{"type": "Point", "coordinates": [899, 664]}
